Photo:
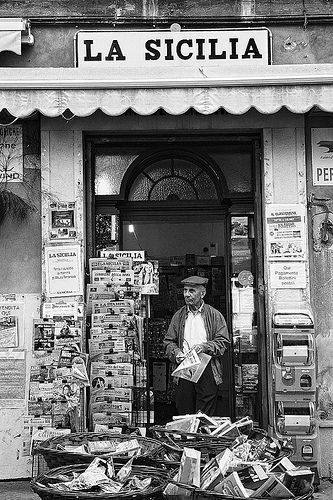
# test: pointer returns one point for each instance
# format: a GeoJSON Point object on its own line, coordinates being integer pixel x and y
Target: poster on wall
{"type": "Point", "coordinates": [11, 157]}
{"type": "Point", "coordinates": [12, 379]}
{"type": "Point", "coordinates": [322, 156]}
{"type": "Point", "coordinates": [285, 226]}
{"type": "Point", "coordinates": [63, 271]}
{"type": "Point", "coordinates": [62, 221]}
{"type": "Point", "coordinates": [288, 275]}
{"type": "Point", "coordinates": [11, 317]}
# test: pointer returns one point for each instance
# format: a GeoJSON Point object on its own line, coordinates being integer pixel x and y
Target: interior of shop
{"type": "Point", "coordinates": [191, 208]}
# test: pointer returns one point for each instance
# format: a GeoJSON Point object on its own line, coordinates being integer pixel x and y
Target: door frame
{"type": "Point", "coordinates": [116, 204]}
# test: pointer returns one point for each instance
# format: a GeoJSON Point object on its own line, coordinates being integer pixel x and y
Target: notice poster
{"type": "Point", "coordinates": [62, 221]}
{"type": "Point", "coordinates": [62, 309]}
{"type": "Point", "coordinates": [12, 379]}
{"type": "Point", "coordinates": [43, 336]}
{"type": "Point", "coordinates": [8, 332]}
{"type": "Point", "coordinates": [11, 317]}
{"type": "Point", "coordinates": [286, 232]}
{"type": "Point", "coordinates": [63, 271]}
{"type": "Point", "coordinates": [11, 158]}
{"type": "Point", "coordinates": [288, 275]}
{"type": "Point", "coordinates": [322, 156]}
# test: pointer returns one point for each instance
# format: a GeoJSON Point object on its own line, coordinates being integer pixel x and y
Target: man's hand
{"type": "Point", "coordinates": [180, 357]}
{"type": "Point", "coordinates": [198, 348]}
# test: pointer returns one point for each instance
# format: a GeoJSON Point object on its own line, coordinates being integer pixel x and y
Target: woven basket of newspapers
{"type": "Point", "coordinates": [259, 445]}
{"type": "Point", "coordinates": [101, 480]}
{"type": "Point", "coordinates": [83, 447]}
{"type": "Point", "coordinates": [185, 492]}
{"type": "Point", "coordinates": [233, 474]}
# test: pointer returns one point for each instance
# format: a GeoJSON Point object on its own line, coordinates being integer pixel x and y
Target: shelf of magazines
{"type": "Point", "coordinates": [118, 304]}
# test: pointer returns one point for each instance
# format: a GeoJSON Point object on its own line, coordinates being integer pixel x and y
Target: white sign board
{"type": "Point", "coordinates": [11, 154]}
{"type": "Point", "coordinates": [285, 226]}
{"type": "Point", "coordinates": [322, 156]}
{"type": "Point", "coordinates": [288, 275]}
{"type": "Point", "coordinates": [152, 49]}
{"type": "Point", "coordinates": [63, 271]}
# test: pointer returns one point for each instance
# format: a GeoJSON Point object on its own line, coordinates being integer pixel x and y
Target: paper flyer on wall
{"type": "Point", "coordinates": [63, 270]}
{"type": "Point", "coordinates": [11, 320]}
{"type": "Point", "coordinates": [63, 309]}
{"type": "Point", "coordinates": [286, 232]}
{"type": "Point", "coordinates": [12, 379]}
{"type": "Point", "coordinates": [62, 221]}
{"type": "Point", "coordinates": [8, 331]}
{"type": "Point", "coordinates": [192, 367]}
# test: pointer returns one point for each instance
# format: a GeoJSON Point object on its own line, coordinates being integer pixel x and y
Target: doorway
{"type": "Point", "coordinates": [191, 207]}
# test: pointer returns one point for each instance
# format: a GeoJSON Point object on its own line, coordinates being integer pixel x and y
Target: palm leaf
{"type": "Point", "coordinates": [13, 206]}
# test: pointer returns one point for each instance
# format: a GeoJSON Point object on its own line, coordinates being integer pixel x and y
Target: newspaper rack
{"type": "Point", "coordinates": [42, 485]}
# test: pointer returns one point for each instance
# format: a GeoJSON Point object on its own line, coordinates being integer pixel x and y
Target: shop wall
{"type": "Point", "coordinates": [320, 199]}
{"type": "Point", "coordinates": [301, 35]}
{"type": "Point", "coordinates": [167, 8]}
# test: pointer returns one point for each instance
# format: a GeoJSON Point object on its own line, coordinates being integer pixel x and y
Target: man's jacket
{"type": "Point", "coordinates": [217, 337]}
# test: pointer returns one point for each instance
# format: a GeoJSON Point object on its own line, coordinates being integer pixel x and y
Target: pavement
{"type": "Point", "coordinates": [20, 490]}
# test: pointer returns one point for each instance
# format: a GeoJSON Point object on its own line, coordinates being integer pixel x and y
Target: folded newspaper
{"type": "Point", "coordinates": [192, 366]}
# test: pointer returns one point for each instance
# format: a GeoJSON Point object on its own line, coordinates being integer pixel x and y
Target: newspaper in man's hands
{"type": "Point", "coordinates": [192, 366]}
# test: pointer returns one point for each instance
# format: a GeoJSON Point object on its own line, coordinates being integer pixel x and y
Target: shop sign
{"type": "Point", "coordinates": [63, 271]}
{"type": "Point", "coordinates": [136, 255]}
{"type": "Point", "coordinates": [11, 154]}
{"type": "Point", "coordinates": [288, 275]}
{"type": "Point", "coordinates": [285, 226]}
{"type": "Point", "coordinates": [322, 156]}
{"type": "Point", "coordinates": [152, 49]}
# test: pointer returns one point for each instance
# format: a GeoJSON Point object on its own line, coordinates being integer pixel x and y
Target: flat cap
{"type": "Point", "coordinates": [195, 281]}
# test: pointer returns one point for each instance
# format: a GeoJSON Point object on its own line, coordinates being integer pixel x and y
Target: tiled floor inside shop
{"type": "Point", "coordinates": [20, 490]}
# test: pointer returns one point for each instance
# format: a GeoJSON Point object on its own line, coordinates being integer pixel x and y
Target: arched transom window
{"type": "Point", "coordinates": [173, 178]}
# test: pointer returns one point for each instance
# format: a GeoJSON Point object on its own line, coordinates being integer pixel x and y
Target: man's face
{"type": "Point", "coordinates": [193, 295]}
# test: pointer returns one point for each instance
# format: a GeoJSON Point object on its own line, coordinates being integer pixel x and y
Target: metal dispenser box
{"type": "Point", "coordinates": [294, 381]}
{"type": "Point", "coordinates": [294, 417]}
{"type": "Point", "coordinates": [293, 351]}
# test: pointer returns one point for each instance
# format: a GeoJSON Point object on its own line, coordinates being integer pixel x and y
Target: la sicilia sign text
{"type": "Point", "coordinates": [130, 49]}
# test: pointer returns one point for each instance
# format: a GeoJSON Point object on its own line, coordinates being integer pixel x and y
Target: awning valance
{"type": "Point", "coordinates": [52, 91]}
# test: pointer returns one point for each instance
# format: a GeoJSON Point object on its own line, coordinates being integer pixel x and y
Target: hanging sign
{"type": "Point", "coordinates": [288, 275]}
{"type": "Point", "coordinates": [63, 271]}
{"type": "Point", "coordinates": [11, 154]}
{"type": "Point", "coordinates": [152, 49]}
{"type": "Point", "coordinates": [285, 226]}
{"type": "Point", "coordinates": [322, 156]}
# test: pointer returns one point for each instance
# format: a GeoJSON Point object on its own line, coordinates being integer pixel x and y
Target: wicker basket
{"type": "Point", "coordinates": [192, 493]}
{"type": "Point", "coordinates": [173, 444]}
{"type": "Point", "coordinates": [56, 457]}
{"type": "Point", "coordinates": [42, 485]}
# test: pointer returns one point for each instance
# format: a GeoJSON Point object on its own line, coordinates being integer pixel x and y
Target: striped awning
{"type": "Point", "coordinates": [53, 91]}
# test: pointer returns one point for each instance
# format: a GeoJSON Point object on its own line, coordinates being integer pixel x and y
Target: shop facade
{"type": "Point", "coordinates": [212, 172]}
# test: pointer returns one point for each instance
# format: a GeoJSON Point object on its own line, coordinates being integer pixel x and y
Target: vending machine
{"type": "Point", "coordinates": [294, 382]}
